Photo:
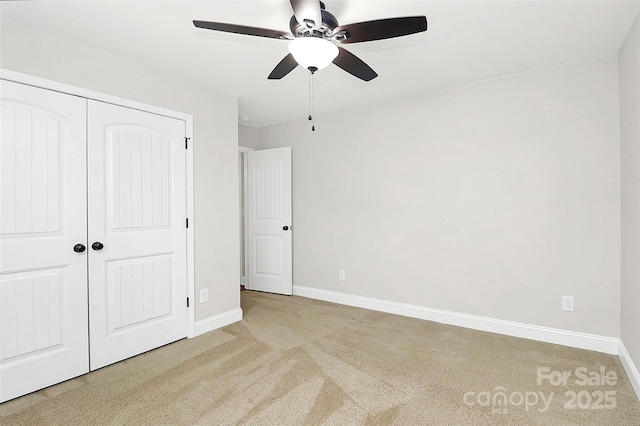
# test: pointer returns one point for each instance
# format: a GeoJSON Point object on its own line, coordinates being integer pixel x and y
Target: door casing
{"type": "Point", "coordinates": [242, 178]}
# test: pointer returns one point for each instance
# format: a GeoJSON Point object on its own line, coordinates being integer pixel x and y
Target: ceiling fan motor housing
{"type": "Point", "coordinates": [329, 23]}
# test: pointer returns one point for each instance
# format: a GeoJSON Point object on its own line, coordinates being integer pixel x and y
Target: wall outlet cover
{"type": "Point", "coordinates": [204, 295]}
{"type": "Point", "coordinates": [568, 303]}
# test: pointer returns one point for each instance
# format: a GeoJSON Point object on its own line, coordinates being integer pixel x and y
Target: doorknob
{"type": "Point", "coordinates": [97, 245]}
{"type": "Point", "coordinates": [79, 248]}
{"type": "Point", "coordinates": [285, 228]}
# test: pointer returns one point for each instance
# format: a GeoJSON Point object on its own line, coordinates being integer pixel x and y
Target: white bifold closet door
{"type": "Point", "coordinates": [137, 213]}
{"type": "Point", "coordinates": [93, 236]}
{"type": "Point", "coordinates": [43, 281]}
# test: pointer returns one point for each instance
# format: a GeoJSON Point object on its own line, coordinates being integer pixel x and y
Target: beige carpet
{"type": "Point", "coordinates": [298, 361]}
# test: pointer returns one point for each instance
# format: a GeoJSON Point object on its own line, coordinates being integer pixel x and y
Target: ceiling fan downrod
{"type": "Point", "coordinates": [312, 112]}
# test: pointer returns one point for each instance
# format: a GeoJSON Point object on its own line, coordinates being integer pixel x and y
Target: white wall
{"type": "Point", "coordinates": [494, 198]}
{"type": "Point", "coordinates": [629, 57]}
{"type": "Point", "coordinates": [247, 136]}
{"type": "Point", "coordinates": [215, 142]}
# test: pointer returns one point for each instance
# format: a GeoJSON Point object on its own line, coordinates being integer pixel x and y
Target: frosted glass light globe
{"type": "Point", "coordinates": [313, 52]}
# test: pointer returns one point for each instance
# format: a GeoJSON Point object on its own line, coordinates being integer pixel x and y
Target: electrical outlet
{"type": "Point", "coordinates": [341, 275]}
{"type": "Point", "coordinates": [204, 295]}
{"type": "Point", "coordinates": [567, 303]}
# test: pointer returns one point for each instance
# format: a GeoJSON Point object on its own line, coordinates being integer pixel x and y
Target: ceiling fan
{"type": "Point", "coordinates": [315, 32]}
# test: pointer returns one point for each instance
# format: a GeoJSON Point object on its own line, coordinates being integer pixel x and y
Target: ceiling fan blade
{"type": "Point", "coordinates": [307, 13]}
{"type": "Point", "coordinates": [381, 29]}
{"type": "Point", "coordinates": [283, 68]}
{"type": "Point", "coordinates": [241, 29]}
{"type": "Point", "coordinates": [354, 65]}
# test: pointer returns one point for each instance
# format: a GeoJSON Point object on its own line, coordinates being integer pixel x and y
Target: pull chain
{"type": "Point", "coordinates": [310, 118]}
{"type": "Point", "coordinates": [312, 112]}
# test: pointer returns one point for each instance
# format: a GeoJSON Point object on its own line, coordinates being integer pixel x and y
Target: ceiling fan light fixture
{"type": "Point", "coordinates": [313, 52]}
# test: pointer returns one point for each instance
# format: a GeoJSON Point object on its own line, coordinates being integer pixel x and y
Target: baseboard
{"type": "Point", "coordinates": [215, 322]}
{"type": "Point", "coordinates": [574, 339]}
{"type": "Point", "coordinates": [630, 368]}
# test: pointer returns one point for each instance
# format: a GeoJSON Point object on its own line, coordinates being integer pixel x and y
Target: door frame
{"type": "Point", "coordinates": [187, 118]}
{"type": "Point", "coordinates": [242, 177]}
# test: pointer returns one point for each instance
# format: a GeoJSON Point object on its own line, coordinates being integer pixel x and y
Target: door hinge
{"type": "Point", "coordinates": [187, 302]}
{"type": "Point", "coordinates": [186, 143]}
{"type": "Point", "coordinates": [187, 222]}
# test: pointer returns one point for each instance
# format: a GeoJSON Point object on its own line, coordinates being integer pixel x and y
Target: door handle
{"type": "Point", "coordinates": [285, 228]}
{"type": "Point", "coordinates": [79, 248]}
{"type": "Point", "coordinates": [97, 245]}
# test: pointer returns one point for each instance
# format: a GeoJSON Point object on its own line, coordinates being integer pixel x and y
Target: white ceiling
{"type": "Point", "coordinates": [466, 41]}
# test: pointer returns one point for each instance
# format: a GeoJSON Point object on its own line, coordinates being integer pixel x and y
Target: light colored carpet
{"type": "Point", "coordinates": [295, 361]}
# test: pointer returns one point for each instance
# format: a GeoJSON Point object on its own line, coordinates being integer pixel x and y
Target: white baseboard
{"type": "Point", "coordinates": [215, 322]}
{"type": "Point", "coordinates": [630, 368]}
{"type": "Point", "coordinates": [574, 339]}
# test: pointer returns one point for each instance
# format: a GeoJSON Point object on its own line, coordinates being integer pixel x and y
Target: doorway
{"type": "Point", "coordinates": [242, 173]}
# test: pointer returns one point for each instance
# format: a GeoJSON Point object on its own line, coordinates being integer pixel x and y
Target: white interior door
{"type": "Point", "coordinates": [269, 220]}
{"type": "Point", "coordinates": [137, 214]}
{"type": "Point", "coordinates": [43, 281]}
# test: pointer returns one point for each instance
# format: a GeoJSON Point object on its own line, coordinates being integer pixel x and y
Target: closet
{"type": "Point", "coordinates": [93, 261]}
